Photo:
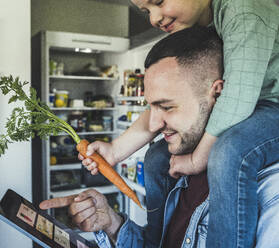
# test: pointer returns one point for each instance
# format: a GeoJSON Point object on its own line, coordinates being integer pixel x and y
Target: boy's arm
{"type": "Point", "coordinates": [201, 153]}
{"type": "Point", "coordinates": [134, 138]}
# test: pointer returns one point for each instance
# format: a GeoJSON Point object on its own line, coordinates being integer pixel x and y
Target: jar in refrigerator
{"type": "Point", "coordinates": [52, 67]}
{"type": "Point", "coordinates": [61, 98]}
{"type": "Point", "coordinates": [140, 173]}
{"type": "Point", "coordinates": [60, 69]}
{"type": "Point", "coordinates": [88, 98]}
{"type": "Point", "coordinates": [140, 85]}
{"type": "Point", "coordinates": [51, 99]}
{"type": "Point", "coordinates": [107, 123]}
{"type": "Point", "coordinates": [124, 170]}
{"type": "Point", "coordinates": [76, 121]}
{"type": "Point", "coordinates": [129, 116]}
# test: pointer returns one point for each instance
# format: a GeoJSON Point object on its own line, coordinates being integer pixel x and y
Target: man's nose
{"type": "Point", "coordinates": [155, 17]}
{"type": "Point", "coordinates": [156, 122]}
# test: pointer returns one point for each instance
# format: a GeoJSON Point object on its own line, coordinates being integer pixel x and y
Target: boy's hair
{"type": "Point", "coordinates": [197, 48]}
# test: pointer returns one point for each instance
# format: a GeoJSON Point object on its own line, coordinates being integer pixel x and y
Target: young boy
{"type": "Point", "coordinates": [249, 30]}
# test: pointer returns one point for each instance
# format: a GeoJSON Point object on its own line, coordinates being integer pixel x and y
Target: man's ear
{"type": "Point", "coordinates": [216, 88]}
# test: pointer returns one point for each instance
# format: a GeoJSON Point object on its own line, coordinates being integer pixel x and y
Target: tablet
{"type": "Point", "coordinates": [37, 225]}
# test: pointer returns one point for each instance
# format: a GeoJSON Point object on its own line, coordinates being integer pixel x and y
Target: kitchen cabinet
{"type": "Point", "coordinates": [73, 63]}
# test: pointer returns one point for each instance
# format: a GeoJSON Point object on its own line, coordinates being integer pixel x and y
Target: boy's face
{"type": "Point", "coordinates": [174, 15]}
{"type": "Point", "coordinates": [175, 110]}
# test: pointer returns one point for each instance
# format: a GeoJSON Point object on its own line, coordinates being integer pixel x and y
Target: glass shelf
{"type": "Point", "coordinates": [136, 108]}
{"type": "Point", "coordinates": [82, 77]}
{"type": "Point", "coordinates": [88, 133]}
{"type": "Point", "coordinates": [82, 108]}
{"type": "Point", "coordinates": [102, 189]}
{"type": "Point", "coordinates": [58, 167]}
{"type": "Point", "coordinates": [130, 98]}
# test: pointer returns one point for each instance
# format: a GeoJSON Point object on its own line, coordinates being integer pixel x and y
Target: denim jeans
{"type": "Point", "coordinates": [236, 157]}
{"type": "Point", "coordinates": [157, 182]}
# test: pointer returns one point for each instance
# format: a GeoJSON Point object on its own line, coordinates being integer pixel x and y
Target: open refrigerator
{"type": "Point", "coordinates": [89, 69]}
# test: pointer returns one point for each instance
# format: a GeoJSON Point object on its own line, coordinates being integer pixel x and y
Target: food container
{"type": "Point", "coordinates": [132, 172]}
{"type": "Point", "coordinates": [95, 126]}
{"type": "Point", "coordinates": [51, 99]}
{"type": "Point", "coordinates": [140, 173]}
{"type": "Point", "coordinates": [77, 103]}
{"type": "Point", "coordinates": [61, 98]}
{"type": "Point", "coordinates": [60, 69]}
{"type": "Point", "coordinates": [124, 171]}
{"type": "Point", "coordinates": [107, 123]}
{"type": "Point", "coordinates": [52, 67]}
{"type": "Point", "coordinates": [75, 119]}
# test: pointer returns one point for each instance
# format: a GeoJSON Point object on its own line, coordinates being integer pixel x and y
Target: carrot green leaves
{"type": "Point", "coordinates": [35, 118]}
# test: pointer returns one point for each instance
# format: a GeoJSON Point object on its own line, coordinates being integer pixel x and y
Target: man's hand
{"type": "Point", "coordinates": [104, 149]}
{"type": "Point", "coordinates": [90, 212]}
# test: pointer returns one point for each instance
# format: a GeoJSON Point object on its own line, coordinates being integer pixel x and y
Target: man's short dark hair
{"type": "Point", "coordinates": [198, 48]}
{"type": "Point", "coordinates": [185, 45]}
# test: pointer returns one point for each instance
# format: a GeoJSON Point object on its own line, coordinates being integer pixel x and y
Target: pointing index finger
{"type": "Point", "coordinates": [58, 202]}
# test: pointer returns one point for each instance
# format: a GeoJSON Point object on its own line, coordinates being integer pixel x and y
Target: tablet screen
{"type": "Point", "coordinates": [36, 224]}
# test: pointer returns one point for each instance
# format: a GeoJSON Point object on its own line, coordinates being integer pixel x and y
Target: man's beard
{"type": "Point", "coordinates": [191, 139]}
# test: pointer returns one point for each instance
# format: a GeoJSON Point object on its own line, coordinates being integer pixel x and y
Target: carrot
{"type": "Point", "coordinates": [106, 169]}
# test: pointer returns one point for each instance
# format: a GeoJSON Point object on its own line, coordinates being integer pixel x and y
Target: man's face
{"type": "Point", "coordinates": [174, 15]}
{"type": "Point", "coordinates": [175, 110]}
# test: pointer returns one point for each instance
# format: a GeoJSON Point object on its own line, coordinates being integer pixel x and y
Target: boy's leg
{"type": "Point", "coordinates": [158, 183]}
{"type": "Point", "coordinates": [234, 161]}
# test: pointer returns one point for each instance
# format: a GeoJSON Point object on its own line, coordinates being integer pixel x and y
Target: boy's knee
{"type": "Point", "coordinates": [228, 145]}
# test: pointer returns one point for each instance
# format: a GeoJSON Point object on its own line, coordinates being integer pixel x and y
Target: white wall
{"type": "Point", "coordinates": [15, 165]}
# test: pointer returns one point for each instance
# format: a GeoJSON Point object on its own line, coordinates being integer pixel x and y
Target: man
{"type": "Point", "coordinates": [182, 83]}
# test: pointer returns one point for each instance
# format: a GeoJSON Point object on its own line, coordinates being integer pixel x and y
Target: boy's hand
{"type": "Point", "coordinates": [192, 163]}
{"type": "Point", "coordinates": [183, 165]}
{"type": "Point", "coordinates": [104, 149]}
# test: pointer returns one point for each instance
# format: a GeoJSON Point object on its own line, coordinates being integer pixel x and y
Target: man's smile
{"type": "Point", "coordinates": [169, 135]}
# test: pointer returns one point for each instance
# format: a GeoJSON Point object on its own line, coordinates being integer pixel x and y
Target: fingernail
{"type": "Point", "coordinates": [77, 198]}
{"type": "Point", "coordinates": [44, 206]}
{"type": "Point", "coordinates": [88, 153]}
